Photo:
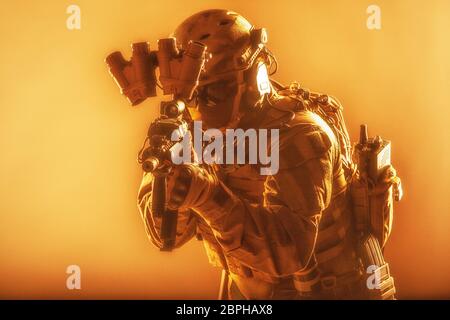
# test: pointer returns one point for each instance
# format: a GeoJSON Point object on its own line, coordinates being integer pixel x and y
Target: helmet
{"type": "Point", "coordinates": [235, 69]}
{"type": "Point", "coordinates": [231, 40]}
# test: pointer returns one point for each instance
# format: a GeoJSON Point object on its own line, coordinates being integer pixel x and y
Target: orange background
{"type": "Point", "coordinates": [68, 140]}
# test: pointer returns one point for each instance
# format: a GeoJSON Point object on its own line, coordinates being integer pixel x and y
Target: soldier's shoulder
{"type": "Point", "coordinates": [307, 99]}
{"type": "Point", "coordinates": [305, 137]}
{"type": "Point", "coordinates": [303, 134]}
{"type": "Point", "coordinates": [294, 119]}
{"type": "Point", "coordinates": [295, 98]}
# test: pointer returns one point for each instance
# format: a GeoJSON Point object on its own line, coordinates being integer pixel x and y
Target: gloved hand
{"type": "Point", "coordinates": [386, 189]}
{"type": "Point", "coordinates": [189, 186]}
{"type": "Point", "coordinates": [388, 178]}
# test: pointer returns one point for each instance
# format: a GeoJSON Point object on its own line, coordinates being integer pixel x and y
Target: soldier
{"type": "Point", "coordinates": [290, 235]}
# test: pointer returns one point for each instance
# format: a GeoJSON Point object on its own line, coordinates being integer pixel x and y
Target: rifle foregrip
{"type": "Point", "coordinates": [169, 229]}
{"type": "Point", "coordinates": [159, 196]}
{"type": "Point", "coordinates": [168, 217]}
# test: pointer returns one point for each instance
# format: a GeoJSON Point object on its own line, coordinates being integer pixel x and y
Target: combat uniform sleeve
{"type": "Point", "coordinates": [186, 223]}
{"type": "Point", "coordinates": [278, 237]}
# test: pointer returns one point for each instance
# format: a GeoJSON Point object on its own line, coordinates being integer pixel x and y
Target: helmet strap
{"type": "Point", "coordinates": [241, 87]}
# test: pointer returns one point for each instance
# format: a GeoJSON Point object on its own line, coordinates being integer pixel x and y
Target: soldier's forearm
{"type": "Point", "coordinates": [272, 239]}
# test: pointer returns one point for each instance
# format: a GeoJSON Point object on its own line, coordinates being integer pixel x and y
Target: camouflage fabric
{"type": "Point", "coordinates": [283, 236]}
